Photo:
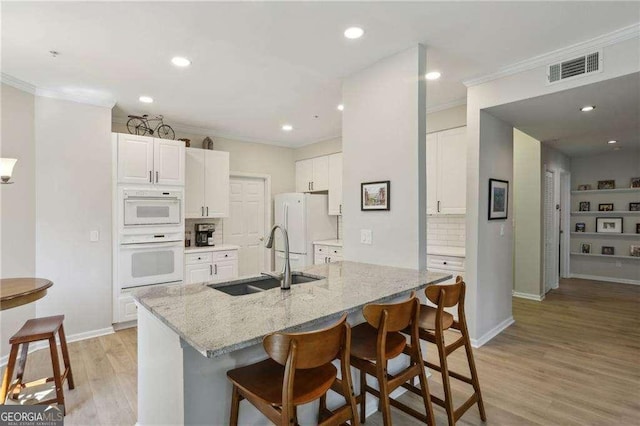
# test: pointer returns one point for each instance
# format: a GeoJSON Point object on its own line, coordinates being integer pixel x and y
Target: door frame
{"type": "Point", "coordinates": [268, 258]}
{"type": "Point", "coordinates": [565, 223]}
{"type": "Point", "coordinates": [547, 286]}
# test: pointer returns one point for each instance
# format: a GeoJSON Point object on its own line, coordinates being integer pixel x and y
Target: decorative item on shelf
{"type": "Point", "coordinates": [607, 184]}
{"type": "Point", "coordinates": [498, 199]}
{"type": "Point", "coordinates": [584, 206]}
{"type": "Point", "coordinates": [187, 142]}
{"type": "Point", "coordinates": [141, 125]}
{"type": "Point", "coordinates": [608, 250]}
{"type": "Point", "coordinates": [375, 195]}
{"type": "Point", "coordinates": [635, 182]}
{"type": "Point", "coordinates": [608, 207]}
{"type": "Point", "coordinates": [634, 207]}
{"type": "Point", "coordinates": [585, 248]}
{"type": "Point", "coordinates": [580, 227]}
{"type": "Point", "coordinates": [6, 170]}
{"type": "Point", "coordinates": [609, 225]}
{"type": "Point", "coordinates": [634, 251]}
{"type": "Point", "coordinates": [584, 187]}
{"type": "Point", "coordinates": [207, 143]}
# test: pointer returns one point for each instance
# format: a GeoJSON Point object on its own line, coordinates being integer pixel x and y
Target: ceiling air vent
{"type": "Point", "coordinates": [576, 67]}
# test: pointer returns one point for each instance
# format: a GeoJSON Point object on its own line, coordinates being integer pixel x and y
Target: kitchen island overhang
{"type": "Point", "coordinates": [198, 333]}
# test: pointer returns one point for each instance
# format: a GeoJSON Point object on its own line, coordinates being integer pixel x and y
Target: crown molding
{"type": "Point", "coordinates": [447, 105]}
{"type": "Point", "coordinates": [614, 37]}
{"type": "Point", "coordinates": [54, 94]}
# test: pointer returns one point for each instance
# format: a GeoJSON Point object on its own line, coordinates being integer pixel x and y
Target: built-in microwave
{"type": "Point", "coordinates": [151, 208]}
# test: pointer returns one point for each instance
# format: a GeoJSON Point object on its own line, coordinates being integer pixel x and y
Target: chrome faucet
{"type": "Point", "coordinates": [285, 276]}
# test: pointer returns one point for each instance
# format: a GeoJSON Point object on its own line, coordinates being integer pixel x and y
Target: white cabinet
{"type": "Point", "coordinates": [326, 254]}
{"type": "Point", "coordinates": [146, 160]}
{"type": "Point", "coordinates": [335, 184]}
{"type": "Point", "coordinates": [207, 183]}
{"type": "Point", "coordinates": [313, 174]}
{"type": "Point", "coordinates": [212, 265]}
{"type": "Point", "coordinates": [447, 172]}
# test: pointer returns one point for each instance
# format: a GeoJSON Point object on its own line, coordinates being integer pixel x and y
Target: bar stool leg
{"type": "Point", "coordinates": [384, 393]}
{"type": "Point", "coordinates": [65, 357]}
{"type": "Point", "coordinates": [363, 394]}
{"type": "Point", "coordinates": [57, 379]}
{"type": "Point", "coordinates": [426, 396]}
{"type": "Point", "coordinates": [235, 406]}
{"type": "Point", "coordinates": [22, 362]}
{"type": "Point", "coordinates": [444, 369]}
{"type": "Point", "coordinates": [474, 375]}
{"type": "Point", "coordinates": [8, 373]}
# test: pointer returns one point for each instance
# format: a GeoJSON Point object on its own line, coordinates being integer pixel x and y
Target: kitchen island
{"type": "Point", "coordinates": [189, 336]}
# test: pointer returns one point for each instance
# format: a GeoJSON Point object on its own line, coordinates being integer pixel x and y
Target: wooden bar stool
{"type": "Point", "coordinates": [433, 323]}
{"type": "Point", "coordinates": [377, 341]}
{"type": "Point", "coordinates": [299, 371]}
{"type": "Point", "coordinates": [36, 330]}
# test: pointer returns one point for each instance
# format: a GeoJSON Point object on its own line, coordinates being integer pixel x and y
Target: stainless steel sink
{"type": "Point", "coordinates": [259, 284]}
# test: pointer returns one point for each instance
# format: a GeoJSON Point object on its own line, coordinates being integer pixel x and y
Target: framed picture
{"type": "Point", "coordinates": [580, 227]}
{"type": "Point", "coordinates": [584, 187]}
{"type": "Point", "coordinates": [605, 207]}
{"type": "Point", "coordinates": [608, 250]}
{"type": "Point", "coordinates": [498, 199]}
{"type": "Point", "coordinates": [609, 225]}
{"type": "Point", "coordinates": [634, 251]}
{"type": "Point", "coordinates": [585, 248]}
{"type": "Point", "coordinates": [635, 182]}
{"type": "Point", "coordinates": [606, 184]}
{"type": "Point", "coordinates": [584, 206]}
{"type": "Point", "coordinates": [375, 195]}
{"type": "Point", "coordinates": [634, 207]}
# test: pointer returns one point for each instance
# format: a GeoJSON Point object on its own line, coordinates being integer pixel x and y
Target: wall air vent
{"type": "Point", "coordinates": [575, 67]}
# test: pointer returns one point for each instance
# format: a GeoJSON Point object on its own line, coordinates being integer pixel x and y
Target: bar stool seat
{"type": "Point", "coordinates": [364, 343]}
{"type": "Point", "coordinates": [35, 330]}
{"type": "Point", "coordinates": [264, 379]}
{"type": "Point", "coordinates": [428, 318]}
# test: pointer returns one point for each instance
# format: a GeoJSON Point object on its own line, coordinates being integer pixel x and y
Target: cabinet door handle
{"type": "Point", "coordinates": [340, 208]}
{"type": "Point", "coordinates": [156, 177]}
{"type": "Point", "coordinates": [150, 178]}
{"type": "Point", "coordinates": [207, 211]}
{"type": "Point", "coordinates": [210, 269]}
{"type": "Point", "coordinates": [312, 186]}
{"type": "Point", "coordinates": [216, 266]}
{"type": "Point", "coordinates": [201, 211]}
{"type": "Point", "coordinates": [309, 186]}
{"type": "Point", "coordinates": [325, 259]}
{"type": "Point", "coordinates": [438, 206]}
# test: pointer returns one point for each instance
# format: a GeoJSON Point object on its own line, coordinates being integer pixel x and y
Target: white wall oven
{"type": "Point", "coordinates": [145, 209]}
{"type": "Point", "coordinates": [150, 259]}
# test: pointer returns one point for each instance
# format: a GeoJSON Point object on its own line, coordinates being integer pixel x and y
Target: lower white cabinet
{"type": "Point", "coordinates": [326, 254]}
{"type": "Point", "coordinates": [205, 266]}
{"type": "Point", "coordinates": [127, 310]}
{"type": "Point", "coordinates": [452, 265]}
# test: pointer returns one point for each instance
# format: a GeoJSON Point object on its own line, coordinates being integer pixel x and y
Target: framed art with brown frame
{"type": "Point", "coordinates": [498, 199]}
{"type": "Point", "coordinates": [375, 196]}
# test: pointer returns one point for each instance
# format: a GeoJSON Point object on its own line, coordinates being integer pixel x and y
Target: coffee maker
{"type": "Point", "coordinates": [204, 234]}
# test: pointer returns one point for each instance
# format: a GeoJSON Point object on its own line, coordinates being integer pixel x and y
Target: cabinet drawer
{"type": "Point", "coordinates": [127, 309]}
{"type": "Point", "coordinates": [335, 252]}
{"type": "Point", "coordinates": [321, 249]}
{"type": "Point", "coordinates": [195, 258]}
{"type": "Point", "coordinates": [225, 255]}
{"type": "Point", "coordinates": [448, 263]}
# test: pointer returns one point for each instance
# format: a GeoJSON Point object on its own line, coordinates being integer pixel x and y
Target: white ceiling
{"type": "Point", "coordinates": [257, 65]}
{"type": "Point", "coordinates": [556, 119]}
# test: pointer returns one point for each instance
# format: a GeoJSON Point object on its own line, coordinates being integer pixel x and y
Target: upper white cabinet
{"type": "Point", "coordinates": [312, 174]}
{"type": "Point", "coordinates": [207, 183]}
{"type": "Point", "coordinates": [146, 160]}
{"type": "Point", "coordinates": [447, 172]}
{"type": "Point", "coordinates": [335, 184]}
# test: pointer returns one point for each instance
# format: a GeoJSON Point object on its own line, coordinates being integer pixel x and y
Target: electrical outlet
{"type": "Point", "coordinates": [94, 236]}
{"type": "Point", "coordinates": [365, 236]}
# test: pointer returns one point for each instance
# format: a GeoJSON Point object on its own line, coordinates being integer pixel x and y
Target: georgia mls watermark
{"type": "Point", "coordinates": [31, 415]}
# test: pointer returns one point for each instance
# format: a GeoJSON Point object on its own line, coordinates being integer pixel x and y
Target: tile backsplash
{"type": "Point", "coordinates": [446, 231]}
{"type": "Point", "coordinates": [190, 225]}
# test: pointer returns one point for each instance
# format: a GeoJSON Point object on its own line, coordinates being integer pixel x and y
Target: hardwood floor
{"type": "Point", "coordinates": [573, 359]}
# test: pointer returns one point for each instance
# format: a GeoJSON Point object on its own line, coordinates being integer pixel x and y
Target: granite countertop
{"type": "Point", "coordinates": [334, 243]}
{"type": "Point", "coordinates": [215, 323]}
{"type": "Point", "coordinates": [221, 247]}
{"type": "Point", "coordinates": [446, 251]}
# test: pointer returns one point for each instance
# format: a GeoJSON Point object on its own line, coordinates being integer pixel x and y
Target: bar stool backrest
{"type": "Point", "coordinates": [447, 295]}
{"type": "Point", "coordinates": [308, 350]}
{"type": "Point", "coordinates": [396, 316]}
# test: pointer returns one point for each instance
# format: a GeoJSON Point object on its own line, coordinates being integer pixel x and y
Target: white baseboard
{"type": "Point", "coordinates": [123, 325]}
{"type": "Point", "coordinates": [476, 343]}
{"type": "Point", "coordinates": [607, 279]}
{"type": "Point", "coordinates": [527, 296]}
{"type": "Point", "coordinates": [71, 338]}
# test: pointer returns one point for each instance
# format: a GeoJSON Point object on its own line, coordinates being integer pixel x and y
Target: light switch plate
{"type": "Point", "coordinates": [365, 236]}
{"type": "Point", "coordinates": [502, 230]}
{"type": "Point", "coordinates": [94, 236]}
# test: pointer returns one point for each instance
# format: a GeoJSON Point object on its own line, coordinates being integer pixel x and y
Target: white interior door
{"type": "Point", "coordinates": [245, 226]}
{"type": "Point", "coordinates": [550, 242]}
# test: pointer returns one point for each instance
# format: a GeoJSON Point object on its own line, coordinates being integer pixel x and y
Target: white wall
{"type": "Point", "coordinates": [527, 215]}
{"type": "Point", "coordinates": [384, 138]}
{"type": "Point", "coordinates": [447, 119]}
{"type": "Point", "coordinates": [318, 149]}
{"type": "Point", "coordinates": [73, 193]}
{"type": "Point", "coordinates": [17, 203]}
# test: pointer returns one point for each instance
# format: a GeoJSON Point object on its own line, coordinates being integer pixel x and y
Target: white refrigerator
{"type": "Point", "coordinates": [306, 219]}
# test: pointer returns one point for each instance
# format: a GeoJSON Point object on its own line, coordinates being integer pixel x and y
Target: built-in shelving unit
{"type": "Point", "coordinates": [606, 191]}
{"type": "Point", "coordinates": [613, 256]}
{"type": "Point", "coordinates": [606, 235]}
{"type": "Point", "coordinates": [609, 213]}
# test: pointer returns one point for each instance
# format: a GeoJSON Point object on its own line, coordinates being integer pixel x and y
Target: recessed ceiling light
{"type": "Point", "coordinates": [287, 127]}
{"type": "Point", "coordinates": [145, 99]}
{"type": "Point", "coordinates": [433, 75]}
{"type": "Point", "coordinates": [588, 108]}
{"type": "Point", "coordinates": [340, 107]}
{"type": "Point", "coordinates": [179, 61]}
{"type": "Point", "coordinates": [612, 142]}
{"type": "Point", "coordinates": [353, 32]}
